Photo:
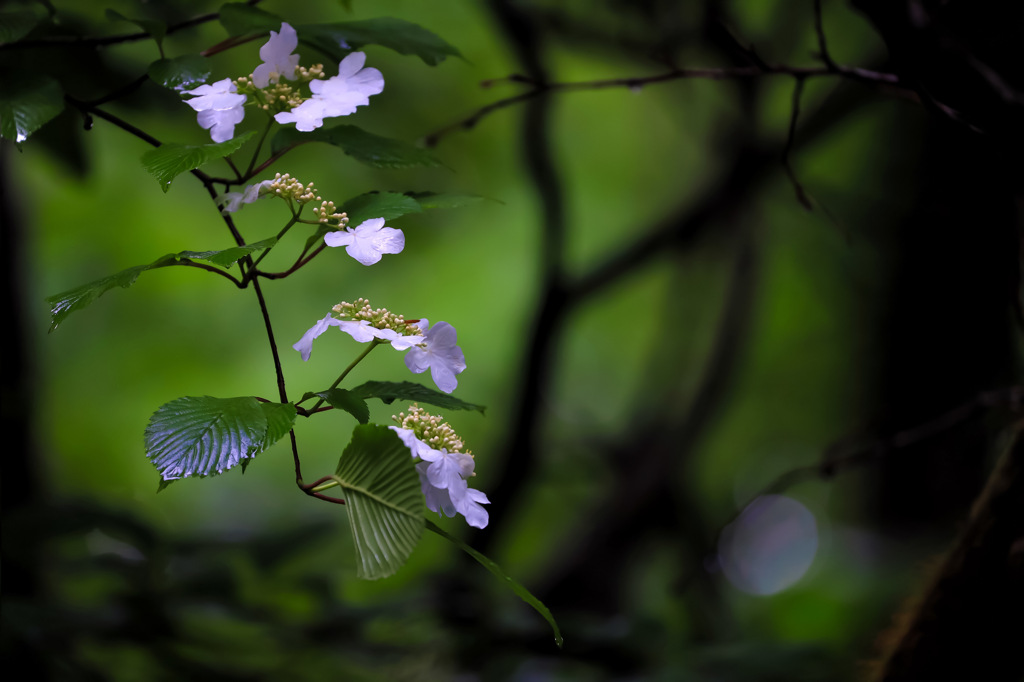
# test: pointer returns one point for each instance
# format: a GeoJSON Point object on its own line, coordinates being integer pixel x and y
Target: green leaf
{"type": "Point", "coordinates": [240, 18]}
{"type": "Point", "coordinates": [157, 29]}
{"type": "Point", "coordinates": [401, 36]}
{"type": "Point", "coordinates": [494, 568]}
{"type": "Point", "coordinates": [168, 161]}
{"type": "Point", "coordinates": [280, 420]}
{"type": "Point", "coordinates": [16, 25]}
{"type": "Point", "coordinates": [68, 302]}
{"type": "Point", "coordinates": [390, 391]}
{"type": "Point", "coordinates": [204, 436]}
{"type": "Point", "coordinates": [181, 73]}
{"type": "Point", "coordinates": [27, 101]}
{"type": "Point", "coordinates": [372, 150]}
{"type": "Point", "coordinates": [387, 205]}
{"type": "Point", "coordinates": [429, 200]}
{"type": "Point", "coordinates": [227, 257]}
{"type": "Point", "coordinates": [385, 504]}
{"type": "Point", "coordinates": [342, 399]}
{"type": "Point", "coordinates": [63, 304]}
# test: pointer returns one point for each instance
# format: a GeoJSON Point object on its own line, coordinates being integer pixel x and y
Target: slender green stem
{"type": "Point", "coordinates": [326, 486]}
{"type": "Point", "coordinates": [259, 146]}
{"type": "Point", "coordinates": [283, 232]}
{"type": "Point", "coordinates": [234, 169]}
{"type": "Point", "coordinates": [373, 344]}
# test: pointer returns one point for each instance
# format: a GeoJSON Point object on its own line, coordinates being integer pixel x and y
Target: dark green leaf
{"type": "Point", "coordinates": [168, 161]}
{"type": "Point", "coordinates": [204, 436]}
{"type": "Point", "coordinates": [494, 568]}
{"type": "Point", "coordinates": [387, 205]}
{"type": "Point", "coordinates": [384, 500]}
{"type": "Point", "coordinates": [68, 302]}
{"type": "Point", "coordinates": [227, 257]}
{"type": "Point", "coordinates": [16, 25]}
{"type": "Point", "coordinates": [240, 19]}
{"type": "Point", "coordinates": [434, 200]}
{"type": "Point", "coordinates": [372, 150]}
{"type": "Point", "coordinates": [27, 101]}
{"type": "Point", "coordinates": [401, 36]}
{"type": "Point", "coordinates": [390, 391]}
{"type": "Point", "coordinates": [63, 304]}
{"type": "Point", "coordinates": [157, 29]}
{"type": "Point", "coordinates": [341, 399]}
{"type": "Point", "coordinates": [181, 73]}
{"type": "Point", "coordinates": [280, 420]}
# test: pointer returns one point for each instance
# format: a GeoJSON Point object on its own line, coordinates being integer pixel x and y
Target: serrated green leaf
{"type": "Point", "coordinates": [401, 36]}
{"type": "Point", "coordinates": [342, 399]}
{"type": "Point", "coordinates": [434, 200]}
{"type": "Point", "coordinates": [16, 25]}
{"type": "Point", "coordinates": [204, 436]}
{"type": "Point", "coordinates": [387, 205]}
{"type": "Point", "coordinates": [280, 420]}
{"type": "Point", "coordinates": [157, 29]}
{"type": "Point", "coordinates": [168, 161]}
{"type": "Point", "coordinates": [390, 391]}
{"type": "Point", "coordinates": [495, 569]}
{"type": "Point", "coordinates": [27, 101]}
{"type": "Point", "coordinates": [180, 73]}
{"type": "Point", "coordinates": [63, 304]}
{"type": "Point", "coordinates": [226, 257]}
{"type": "Point", "coordinates": [239, 18]}
{"type": "Point", "coordinates": [372, 150]}
{"type": "Point", "coordinates": [384, 500]}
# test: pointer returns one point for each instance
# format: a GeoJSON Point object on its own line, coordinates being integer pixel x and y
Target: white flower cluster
{"type": "Point", "coordinates": [444, 465]}
{"type": "Point", "coordinates": [429, 347]}
{"type": "Point", "coordinates": [221, 106]}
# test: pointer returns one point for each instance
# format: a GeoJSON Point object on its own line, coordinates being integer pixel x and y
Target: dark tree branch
{"type": "Point", "coordinates": [801, 194]}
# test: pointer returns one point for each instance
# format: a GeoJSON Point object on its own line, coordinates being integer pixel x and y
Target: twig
{"type": "Point", "coordinates": [801, 195]}
{"type": "Point", "coordinates": [729, 73]}
{"type": "Point", "coordinates": [819, 29]}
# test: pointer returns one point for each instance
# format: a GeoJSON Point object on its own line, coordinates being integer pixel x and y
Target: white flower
{"type": "Point", "coordinates": [305, 344]}
{"type": "Point", "coordinates": [360, 330]}
{"type": "Point", "coordinates": [336, 96]}
{"type": "Point", "coordinates": [455, 496]}
{"type": "Point", "coordinates": [440, 354]}
{"type": "Point", "coordinates": [368, 241]}
{"type": "Point", "coordinates": [220, 108]}
{"type": "Point", "coordinates": [277, 57]}
{"type": "Point", "coordinates": [307, 116]}
{"type": "Point", "coordinates": [232, 201]}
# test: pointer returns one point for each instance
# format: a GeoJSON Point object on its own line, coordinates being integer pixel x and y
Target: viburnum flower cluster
{"type": "Point", "coordinates": [220, 106]}
{"type": "Point", "coordinates": [432, 348]}
{"type": "Point", "coordinates": [444, 465]}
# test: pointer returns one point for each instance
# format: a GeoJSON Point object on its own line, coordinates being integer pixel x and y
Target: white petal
{"type": "Point", "coordinates": [360, 330]}
{"type": "Point", "coordinates": [417, 360]}
{"type": "Point", "coordinates": [362, 250]}
{"type": "Point", "coordinates": [389, 240]}
{"type": "Point", "coordinates": [305, 344]}
{"type": "Point", "coordinates": [339, 238]}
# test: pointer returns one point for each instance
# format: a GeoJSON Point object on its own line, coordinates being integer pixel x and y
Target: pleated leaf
{"type": "Point", "coordinates": [384, 501]}
{"type": "Point", "coordinates": [170, 160]}
{"type": "Point", "coordinates": [27, 101]}
{"type": "Point", "coordinates": [180, 73]}
{"type": "Point", "coordinates": [401, 36]}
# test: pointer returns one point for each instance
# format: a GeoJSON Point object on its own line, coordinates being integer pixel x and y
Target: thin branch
{"type": "Point", "coordinates": [209, 268]}
{"type": "Point", "coordinates": [888, 80]}
{"type": "Point", "coordinates": [819, 29]}
{"type": "Point", "coordinates": [840, 457]}
{"type": "Point", "coordinates": [801, 195]}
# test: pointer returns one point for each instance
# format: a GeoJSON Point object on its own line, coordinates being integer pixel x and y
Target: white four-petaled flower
{"type": "Point", "coordinates": [360, 330]}
{"type": "Point", "coordinates": [220, 108]}
{"type": "Point", "coordinates": [368, 241]}
{"type": "Point", "coordinates": [439, 354]}
{"type": "Point", "coordinates": [336, 96]}
{"type": "Point", "coordinates": [443, 480]}
{"type": "Point", "coordinates": [277, 57]}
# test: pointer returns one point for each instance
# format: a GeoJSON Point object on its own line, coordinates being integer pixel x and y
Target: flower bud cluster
{"type": "Point", "coordinates": [328, 212]}
{"type": "Point", "coordinates": [379, 318]}
{"type": "Point", "coordinates": [431, 429]}
{"type": "Point", "coordinates": [287, 187]}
